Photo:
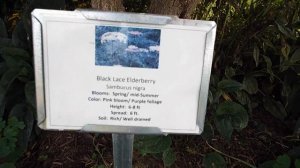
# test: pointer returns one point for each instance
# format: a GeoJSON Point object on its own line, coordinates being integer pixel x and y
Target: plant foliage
{"type": "Point", "coordinates": [214, 160]}
{"type": "Point", "coordinates": [257, 57]}
{"type": "Point", "coordinates": [256, 66]}
{"type": "Point", "coordinates": [17, 89]}
{"type": "Point", "coordinates": [156, 145]}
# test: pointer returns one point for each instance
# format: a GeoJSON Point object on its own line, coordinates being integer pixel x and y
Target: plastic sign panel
{"type": "Point", "coordinates": [121, 72]}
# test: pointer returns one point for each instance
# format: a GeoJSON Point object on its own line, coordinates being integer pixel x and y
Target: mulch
{"type": "Point", "coordinates": [255, 144]}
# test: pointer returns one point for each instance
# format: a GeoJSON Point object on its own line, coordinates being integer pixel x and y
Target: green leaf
{"type": "Point", "coordinates": [214, 79]}
{"type": "Point", "coordinates": [169, 157]}
{"type": "Point", "coordinates": [15, 123]}
{"type": "Point", "coordinates": [7, 165]}
{"type": "Point", "coordinates": [224, 127]}
{"type": "Point", "coordinates": [296, 56]}
{"type": "Point", "coordinates": [240, 121]}
{"type": "Point", "coordinates": [3, 31]}
{"type": "Point", "coordinates": [4, 148]}
{"type": "Point", "coordinates": [229, 85]}
{"type": "Point", "coordinates": [26, 115]}
{"type": "Point", "coordinates": [297, 163]}
{"type": "Point", "coordinates": [256, 55]}
{"type": "Point", "coordinates": [5, 42]}
{"type": "Point", "coordinates": [286, 31]}
{"type": "Point", "coordinates": [242, 97]}
{"type": "Point", "coordinates": [5, 82]}
{"type": "Point", "coordinates": [285, 50]}
{"type": "Point", "coordinates": [229, 116]}
{"type": "Point", "coordinates": [250, 85]}
{"type": "Point", "coordinates": [8, 77]}
{"type": "Point", "coordinates": [15, 155]}
{"type": "Point", "coordinates": [10, 132]}
{"type": "Point", "coordinates": [269, 64]}
{"type": "Point", "coordinates": [9, 138]}
{"type": "Point", "coordinates": [214, 160]}
{"type": "Point", "coordinates": [283, 161]}
{"type": "Point", "coordinates": [30, 93]}
{"type": "Point", "coordinates": [217, 96]}
{"type": "Point", "coordinates": [26, 73]}
{"type": "Point", "coordinates": [18, 111]}
{"type": "Point", "coordinates": [153, 144]}
{"type": "Point", "coordinates": [16, 52]}
{"type": "Point", "coordinates": [15, 57]}
{"type": "Point", "coordinates": [235, 112]}
{"type": "Point", "coordinates": [229, 72]}
{"type": "Point", "coordinates": [268, 43]}
{"type": "Point", "coordinates": [275, 108]}
{"type": "Point", "coordinates": [208, 131]}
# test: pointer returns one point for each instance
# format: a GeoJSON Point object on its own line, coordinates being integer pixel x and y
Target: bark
{"type": "Point", "coordinates": [108, 5]}
{"type": "Point", "coordinates": [181, 8]}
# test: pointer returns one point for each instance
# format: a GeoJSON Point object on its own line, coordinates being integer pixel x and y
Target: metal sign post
{"type": "Point", "coordinates": [122, 150]}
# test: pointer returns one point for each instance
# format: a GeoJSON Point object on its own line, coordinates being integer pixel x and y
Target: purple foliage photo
{"type": "Point", "coordinates": [127, 47]}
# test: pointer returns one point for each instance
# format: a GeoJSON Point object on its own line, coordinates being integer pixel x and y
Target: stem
{"type": "Point", "coordinates": [234, 158]}
{"type": "Point", "coordinates": [261, 92]}
{"type": "Point", "coordinates": [100, 153]}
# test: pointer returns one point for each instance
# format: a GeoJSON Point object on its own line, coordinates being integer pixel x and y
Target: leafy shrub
{"type": "Point", "coordinates": [15, 103]}
{"type": "Point", "coordinates": [17, 88]}
{"type": "Point", "coordinates": [256, 65]}
{"type": "Point", "coordinates": [16, 99]}
{"type": "Point", "coordinates": [256, 62]}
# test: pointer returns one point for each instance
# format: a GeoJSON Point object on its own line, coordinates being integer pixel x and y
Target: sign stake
{"type": "Point", "coordinates": [122, 150]}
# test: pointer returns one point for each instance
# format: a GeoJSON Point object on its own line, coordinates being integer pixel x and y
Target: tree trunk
{"type": "Point", "coordinates": [181, 8]}
{"type": "Point", "coordinates": [108, 5]}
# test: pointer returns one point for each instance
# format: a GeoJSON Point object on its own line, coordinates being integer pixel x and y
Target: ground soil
{"type": "Point", "coordinates": [262, 140]}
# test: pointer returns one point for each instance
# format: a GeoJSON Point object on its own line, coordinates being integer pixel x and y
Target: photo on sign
{"type": "Point", "coordinates": [127, 47]}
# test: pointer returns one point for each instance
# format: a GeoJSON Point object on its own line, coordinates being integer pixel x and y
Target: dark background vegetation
{"type": "Point", "coordinates": [253, 117]}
